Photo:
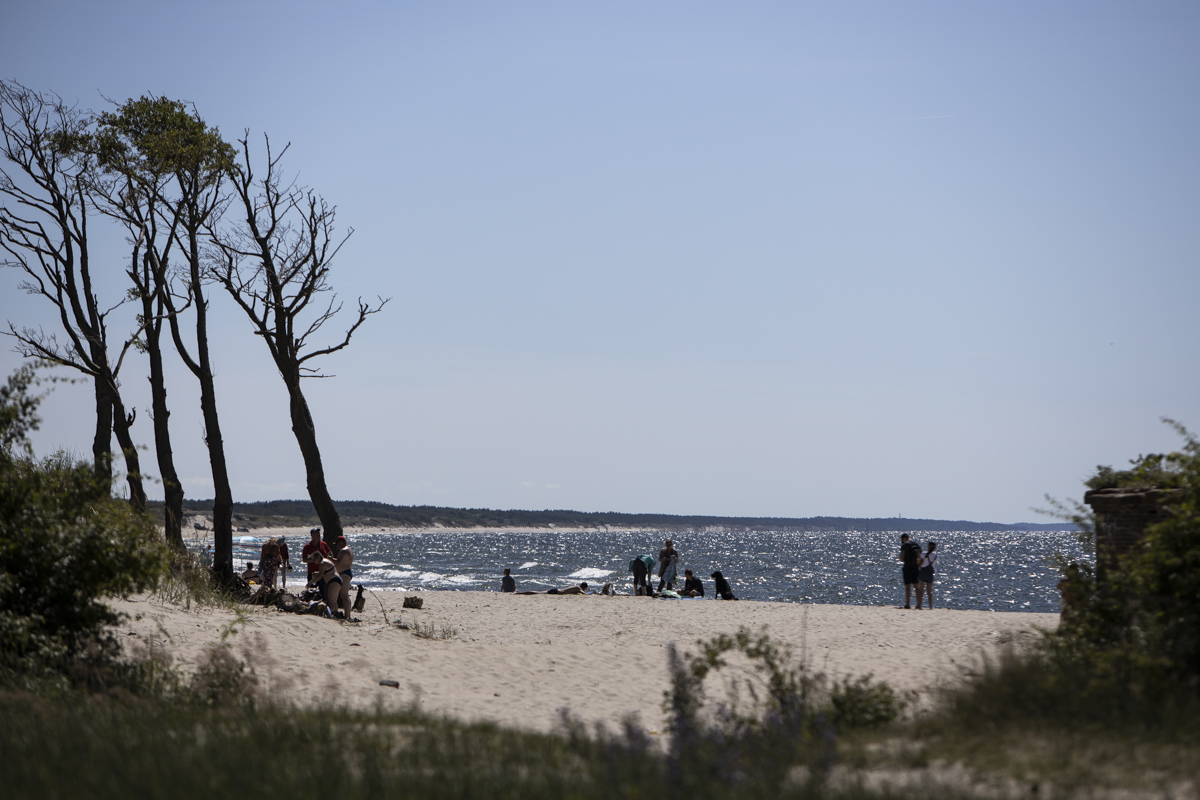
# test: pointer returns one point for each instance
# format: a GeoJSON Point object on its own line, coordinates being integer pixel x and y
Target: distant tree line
{"type": "Point", "coordinates": [370, 513]}
{"type": "Point", "coordinates": [196, 213]}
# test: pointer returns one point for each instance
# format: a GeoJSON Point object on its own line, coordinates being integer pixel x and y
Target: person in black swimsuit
{"type": "Point", "coordinates": [330, 580]}
{"type": "Point", "coordinates": [692, 586]}
{"type": "Point", "coordinates": [910, 556]}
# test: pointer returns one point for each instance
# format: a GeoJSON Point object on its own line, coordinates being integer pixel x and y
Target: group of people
{"type": "Point", "coordinates": [641, 567]}
{"type": "Point", "coordinates": [329, 569]}
{"type": "Point", "coordinates": [918, 570]}
{"type": "Point", "coordinates": [274, 561]}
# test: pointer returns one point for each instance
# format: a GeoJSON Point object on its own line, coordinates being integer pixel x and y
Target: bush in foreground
{"type": "Point", "coordinates": [65, 544]}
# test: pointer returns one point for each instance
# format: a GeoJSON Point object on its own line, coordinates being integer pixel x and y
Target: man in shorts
{"type": "Point", "coordinates": [910, 557]}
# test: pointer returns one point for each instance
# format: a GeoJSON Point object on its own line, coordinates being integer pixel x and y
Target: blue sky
{"type": "Point", "coordinates": [777, 259]}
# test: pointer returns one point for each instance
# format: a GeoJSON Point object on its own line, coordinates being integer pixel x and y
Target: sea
{"type": "Point", "coordinates": [987, 570]}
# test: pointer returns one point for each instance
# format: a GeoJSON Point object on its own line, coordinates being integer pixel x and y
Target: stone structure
{"type": "Point", "coordinates": [1122, 516]}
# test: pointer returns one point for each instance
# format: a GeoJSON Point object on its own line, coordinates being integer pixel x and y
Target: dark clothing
{"type": "Point", "coordinates": [508, 584]}
{"type": "Point", "coordinates": [286, 558]}
{"type": "Point", "coordinates": [665, 557]}
{"type": "Point", "coordinates": [641, 573]}
{"type": "Point", "coordinates": [925, 574]}
{"type": "Point", "coordinates": [311, 548]}
{"type": "Point", "coordinates": [695, 584]}
{"type": "Point", "coordinates": [721, 587]}
{"type": "Point", "coordinates": [910, 555]}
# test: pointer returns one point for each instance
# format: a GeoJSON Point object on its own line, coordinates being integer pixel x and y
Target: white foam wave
{"type": "Point", "coordinates": [390, 574]}
{"type": "Point", "coordinates": [461, 579]}
{"type": "Point", "coordinates": [429, 577]}
{"type": "Point", "coordinates": [528, 564]}
{"type": "Point", "coordinates": [590, 573]}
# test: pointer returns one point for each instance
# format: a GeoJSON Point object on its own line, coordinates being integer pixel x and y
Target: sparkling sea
{"type": "Point", "coordinates": [990, 570]}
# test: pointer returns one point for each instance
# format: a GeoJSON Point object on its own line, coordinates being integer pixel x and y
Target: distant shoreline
{"type": "Point", "coordinates": [427, 519]}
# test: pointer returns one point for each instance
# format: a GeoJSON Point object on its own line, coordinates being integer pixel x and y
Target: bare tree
{"type": "Point", "coordinates": [167, 167]}
{"type": "Point", "coordinates": [43, 232]}
{"type": "Point", "coordinates": [276, 265]}
{"type": "Point", "coordinates": [126, 185]}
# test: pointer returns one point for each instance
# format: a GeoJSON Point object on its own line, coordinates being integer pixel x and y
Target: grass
{"type": "Point", "coordinates": [189, 583]}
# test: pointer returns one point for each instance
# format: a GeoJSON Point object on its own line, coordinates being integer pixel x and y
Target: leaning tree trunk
{"type": "Point", "coordinates": [306, 437]}
{"type": "Point", "coordinates": [222, 493]}
{"type": "Point", "coordinates": [172, 488]}
{"type": "Point", "coordinates": [102, 442]}
{"type": "Point", "coordinates": [133, 469]}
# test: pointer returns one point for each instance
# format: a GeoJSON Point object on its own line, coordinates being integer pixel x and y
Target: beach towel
{"type": "Point", "coordinates": [668, 576]}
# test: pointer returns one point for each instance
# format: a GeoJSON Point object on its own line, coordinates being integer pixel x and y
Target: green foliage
{"type": "Point", "coordinates": [156, 136]}
{"type": "Point", "coordinates": [1155, 471]}
{"type": "Point", "coordinates": [863, 703]}
{"type": "Point", "coordinates": [1141, 623]}
{"type": "Point", "coordinates": [297, 513]}
{"type": "Point", "coordinates": [18, 412]}
{"type": "Point", "coordinates": [159, 749]}
{"type": "Point", "coordinates": [1128, 650]}
{"type": "Point", "coordinates": [64, 545]}
{"type": "Point", "coordinates": [777, 715]}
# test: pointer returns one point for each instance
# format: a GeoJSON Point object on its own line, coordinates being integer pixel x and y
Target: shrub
{"type": "Point", "coordinates": [65, 543]}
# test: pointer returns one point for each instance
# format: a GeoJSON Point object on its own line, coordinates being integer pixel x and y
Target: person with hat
{"type": "Point", "coordinates": [320, 549]}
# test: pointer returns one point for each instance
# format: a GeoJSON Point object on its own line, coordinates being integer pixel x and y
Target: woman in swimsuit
{"type": "Point", "coordinates": [345, 561]}
{"type": "Point", "coordinates": [332, 580]}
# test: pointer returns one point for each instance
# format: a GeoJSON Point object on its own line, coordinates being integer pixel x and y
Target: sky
{"type": "Point", "coordinates": [931, 260]}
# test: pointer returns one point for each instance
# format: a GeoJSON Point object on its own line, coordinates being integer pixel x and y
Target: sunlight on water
{"type": "Point", "coordinates": [998, 570]}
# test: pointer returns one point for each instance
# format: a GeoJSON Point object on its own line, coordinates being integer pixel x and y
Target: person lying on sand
{"type": "Point", "coordinates": [580, 589]}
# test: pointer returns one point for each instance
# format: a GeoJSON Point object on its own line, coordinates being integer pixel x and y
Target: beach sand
{"type": "Point", "coordinates": [518, 660]}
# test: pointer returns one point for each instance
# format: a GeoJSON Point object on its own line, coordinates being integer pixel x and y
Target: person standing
{"type": "Point", "coordinates": [345, 563]}
{"type": "Point", "coordinates": [925, 574]}
{"type": "Point", "coordinates": [668, 562]}
{"type": "Point", "coordinates": [285, 560]}
{"type": "Point", "coordinates": [910, 558]}
{"type": "Point", "coordinates": [508, 583]}
{"type": "Point", "coordinates": [268, 562]}
{"type": "Point", "coordinates": [319, 548]}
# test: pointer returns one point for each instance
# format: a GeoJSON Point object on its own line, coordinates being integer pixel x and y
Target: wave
{"type": "Point", "coordinates": [528, 564]}
{"type": "Point", "coordinates": [389, 574]}
{"type": "Point", "coordinates": [590, 573]}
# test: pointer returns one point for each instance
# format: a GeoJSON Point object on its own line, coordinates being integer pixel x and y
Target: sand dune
{"type": "Point", "coordinates": [519, 659]}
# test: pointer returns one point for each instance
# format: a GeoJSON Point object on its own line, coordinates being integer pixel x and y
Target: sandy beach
{"type": "Point", "coordinates": [517, 660]}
